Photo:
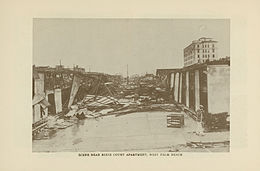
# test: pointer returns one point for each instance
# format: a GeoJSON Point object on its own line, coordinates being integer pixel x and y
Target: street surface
{"type": "Point", "coordinates": [143, 131]}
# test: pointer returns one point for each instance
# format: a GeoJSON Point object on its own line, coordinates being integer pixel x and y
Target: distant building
{"type": "Point", "coordinates": [59, 67]}
{"type": "Point", "coordinates": [200, 51]}
{"type": "Point", "coordinates": [148, 77]}
{"type": "Point", "coordinates": [78, 69]}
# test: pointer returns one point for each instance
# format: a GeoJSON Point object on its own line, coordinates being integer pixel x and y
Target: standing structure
{"type": "Point", "coordinates": [206, 84]}
{"type": "Point", "coordinates": [200, 51]}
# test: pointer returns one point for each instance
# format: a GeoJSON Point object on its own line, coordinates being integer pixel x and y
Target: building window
{"type": "Point", "coordinates": [213, 50]}
{"type": "Point", "coordinates": [208, 55]}
{"type": "Point", "coordinates": [198, 56]}
{"type": "Point", "coordinates": [213, 56]}
{"type": "Point", "coordinates": [198, 51]}
{"type": "Point", "coordinates": [212, 45]}
{"type": "Point", "coordinates": [198, 46]}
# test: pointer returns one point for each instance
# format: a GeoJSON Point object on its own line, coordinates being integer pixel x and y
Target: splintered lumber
{"type": "Point", "coordinates": [200, 144]}
{"type": "Point", "coordinates": [74, 89]}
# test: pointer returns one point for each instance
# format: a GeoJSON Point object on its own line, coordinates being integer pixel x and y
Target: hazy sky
{"type": "Point", "coordinates": [108, 45]}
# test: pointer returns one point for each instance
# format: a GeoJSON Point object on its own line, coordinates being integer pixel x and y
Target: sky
{"type": "Point", "coordinates": [109, 45]}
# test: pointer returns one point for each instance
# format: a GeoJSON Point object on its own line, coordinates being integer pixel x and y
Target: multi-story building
{"type": "Point", "coordinates": [199, 51]}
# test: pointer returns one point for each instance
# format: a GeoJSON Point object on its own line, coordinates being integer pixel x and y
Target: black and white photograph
{"type": "Point", "coordinates": [129, 85]}
{"type": "Point", "coordinates": [122, 85]}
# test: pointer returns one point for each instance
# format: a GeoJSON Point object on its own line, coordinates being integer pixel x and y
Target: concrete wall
{"type": "Point", "coordinates": [192, 89]}
{"type": "Point", "coordinates": [38, 90]}
{"type": "Point", "coordinates": [39, 84]}
{"type": "Point", "coordinates": [187, 89]}
{"type": "Point", "coordinates": [74, 90]}
{"type": "Point", "coordinates": [197, 90]}
{"type": "Point", "coordinates": [180, 88]}
{"type": "Point", "coordinates": [176, 86]}
{"type": "Point", "coordinates": [172, 80]}
{"type": "Point", "coordinates": [218, 80]}
{"type": "Point", "coordinates": [183, 89]}
{"type": "Point", "coordinates": [208, 85]}
{"type": "Point", "coordinates": [57, 98]}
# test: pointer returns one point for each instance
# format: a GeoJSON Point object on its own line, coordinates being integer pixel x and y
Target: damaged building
{"type": "Point", "coordinates": [55, 90]}
{"type": "Point", "coordinates": [204, 85]}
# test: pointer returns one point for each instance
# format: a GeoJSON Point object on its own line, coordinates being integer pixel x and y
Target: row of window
{"type": "Point", "coordinates": [206, 45]}
{"type": "Point", "coordinates": [205, 56]}
{"type": "Point", "coordinates": [205, 50]}
{"type": "Point", "coordinates": [198, 50]}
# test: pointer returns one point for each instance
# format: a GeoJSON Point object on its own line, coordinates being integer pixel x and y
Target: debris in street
{"type": "Point", "coordinates": [175, 120]}
{"type": "Point", "coordinates": [73, 111]}
{"type": "Point", "coordinates": [207, 144]}
{"type": "Point", "coordinates": [142, 94]}
{"type": "Point", "coordinates": [55, 123]}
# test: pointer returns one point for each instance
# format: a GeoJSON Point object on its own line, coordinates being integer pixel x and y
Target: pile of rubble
{"type": "Point", "coordinates": [93, 106]}
{"type": "Point", "coordinates": [207, 146]}
{"type": "Point", "coordinates": [52, 124]}
{"type": "Point", "coordinates": [96, 106]}
{"type": "Point", "coordinates": [102, 96]}
{"type": "Point", "coordinates": [141, 94]}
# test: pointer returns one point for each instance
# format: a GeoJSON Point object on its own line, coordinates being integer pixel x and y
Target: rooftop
{"type": "Point", "coordinates": [204, 39]}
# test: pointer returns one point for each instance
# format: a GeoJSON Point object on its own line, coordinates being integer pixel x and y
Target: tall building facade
{"type": "Point", "coordinates": [201, 50]}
